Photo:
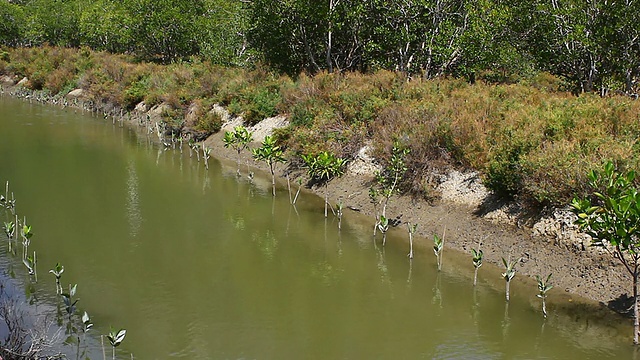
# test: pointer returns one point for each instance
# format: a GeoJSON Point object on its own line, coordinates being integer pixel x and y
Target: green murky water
{"type": "Point", "coordinates": [198, 264]}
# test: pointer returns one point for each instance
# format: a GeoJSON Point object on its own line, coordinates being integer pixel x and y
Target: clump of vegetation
{"type": "Point", "coordinates": [322, 168]}
{"type": "Point", "coordinates": [611, 217]}
{"type": "Point", "coordinates": [271, 154]}
{"type": "Point", "coordinates": [238, 140]}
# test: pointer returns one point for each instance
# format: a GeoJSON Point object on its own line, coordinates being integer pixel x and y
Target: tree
{"type": "Point", "coordinates": [324, 167]}
{"type": "Point", "coordinates": [270, 153]}
{"type": "Point", "coordinates": [612, 219]}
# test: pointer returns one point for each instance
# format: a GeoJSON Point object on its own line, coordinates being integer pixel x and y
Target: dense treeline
{"type": "Point", "coordinates": [593, 45]}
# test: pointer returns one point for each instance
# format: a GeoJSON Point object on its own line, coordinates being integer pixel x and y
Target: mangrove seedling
{"type": "Point", "coordinates": [383, 226]}
{"type": "Point", "coordinates": [477, 257]}
{"type": "Point", "coordinates": [412, 230]}
{"type": "Point", "coordinates": [338, 213]}
{"type": "Point", "coordinates": [9, 230]}
{"type": "Point", "coordinates": [324, 167]}
{"type": "Point", "coordinates": [69, 302]}
{"type": "Point", "coordinates": [206, 155]}
{"type": "Point", "coordinates": [86, 325]}
{"type": "Point", "coordinates": [57, 272]}
{"type": "Point", "coordinates": [438, 247]}
{"type": "Point", "coordinates": [375, 200]}
{"type": "Point", "coordinates": [543, 288]}
{"type": "Point", "coordinates": [26, 238]}
{"type": "Point", "coordinates": [115, 339]}
{"type": "Point", "coordinates": [510, 272]}
{"type": "Point", "coordinates": [295, 198]}
{"type": "Point", "coordinates": [238, 140]}
{"type": "Point", "coordinates": [271, 154]}
{"type": "Point", "coordinates": [613, 222]}
{"type": "Point", "coordinates": [389, 177]}
{"type": "Point", "coordinates": [30, 263]}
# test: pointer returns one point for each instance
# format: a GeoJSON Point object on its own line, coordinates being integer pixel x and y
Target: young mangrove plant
{"type": "Point", "coordinates": [271, 154]}
{"type": "Point", "coordinates": [412, 230]}
{"type": "Point", "coordinates": [57, 272]}
{"type": "Point", "coordinates": [338, 213]}
{"type": "Point", "coordinates": [238, 140]}
{"type": "Point", "coordinates": [389, 177]}
{"type": "Point", "coordinates": [295, 198]}
{"type": "Point", "coordinates": [374, 198]}
{"type": "Point", "coordinates": [543, 288]}
{"type": "Point", "coordinates": [510, 272]}
{"type": "Point", "coordinates": [477, 257]}
{"type": "Point", "coordinates": [9, 230]}
{"type": "Point", "coordinates": [30, 263]}
{"type": "Point", "coordinates": [613, 222]}
{"type": "Point", "coordinates": [70, 302]}
{"type": "Point", "coordinates": [383, 226]}
{"type": "Point", "coordinates": [323, 167]}
{"type": "Point", "coordinates": [115, 339]}
{"type": "Point", "coordinates": [206, 155]}
{"type": "Point", "coordinates": [438, 247]}
{"type": "Point", "coordinates": [26, 238]}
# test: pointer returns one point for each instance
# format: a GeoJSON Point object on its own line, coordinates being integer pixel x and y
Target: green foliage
{"type": "Point", "coordinates": [510, 269]}
{"type": "Point", "coordinates": [612, 220]}
{"type": "Point", "coordinates": [324, 166]}
{"type": "Point", "coordinates": [438, 246]}
{"type": "Point", "coordinates": [477, 257]}
{"type": "Point", "coordinates": [271, 154]}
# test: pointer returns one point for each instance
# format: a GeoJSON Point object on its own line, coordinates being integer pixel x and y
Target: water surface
{"type": "Point", "coordinates": [199, 264]}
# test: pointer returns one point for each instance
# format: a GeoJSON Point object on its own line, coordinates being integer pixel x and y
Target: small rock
{"type": "Point", "coordinates": [76, 93]}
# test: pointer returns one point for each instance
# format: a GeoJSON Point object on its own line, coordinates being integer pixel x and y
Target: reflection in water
{"type": "Point", "coordinates": [268, 244]}
{"type": "Point", "coordinates": [134, 215]}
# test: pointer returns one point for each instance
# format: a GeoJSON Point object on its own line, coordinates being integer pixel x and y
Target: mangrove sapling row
{"type": "Point", "coordinates": [238, 140]}
{"type": "Point", "coordinates": [75, 326]}
{"type": "Point", "coordinates": [543, 288]}
{"type": "Point", "coordinates": [613, 222]}
{"type": "Point", "coordinates": [271, 154]}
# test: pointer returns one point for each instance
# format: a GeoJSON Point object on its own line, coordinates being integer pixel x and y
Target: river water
{"type": "Point", "coordinates": [199, 264]}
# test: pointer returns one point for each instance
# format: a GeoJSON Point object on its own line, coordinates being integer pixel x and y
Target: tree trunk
{"type": "Point", "coordinates": [508, 282]}
{"type": "Point", "coordinates": [475, 277]}
{"type": "Point", "coordinates": [326, 198]}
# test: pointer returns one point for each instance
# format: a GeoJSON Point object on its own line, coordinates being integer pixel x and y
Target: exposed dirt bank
{"type": "Point", "coordinates": [545, 243]}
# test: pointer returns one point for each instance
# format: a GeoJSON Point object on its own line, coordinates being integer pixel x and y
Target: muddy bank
{"type": "Point", "coordinates": [545, 244]}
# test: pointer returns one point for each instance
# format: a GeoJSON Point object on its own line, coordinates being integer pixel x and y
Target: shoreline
{"type": "Point", "coordinates": [545, 246]}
